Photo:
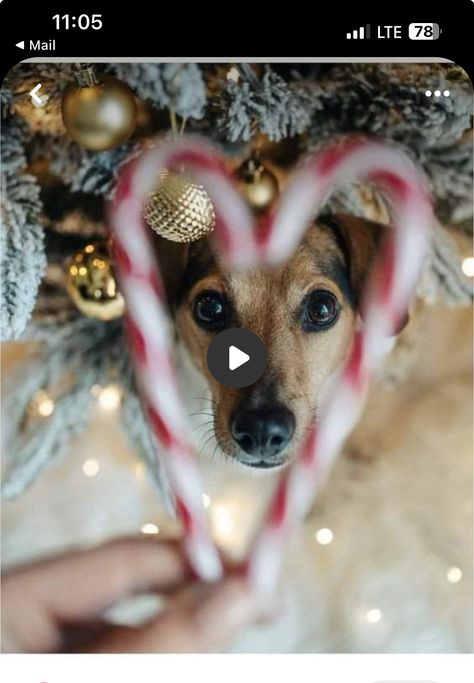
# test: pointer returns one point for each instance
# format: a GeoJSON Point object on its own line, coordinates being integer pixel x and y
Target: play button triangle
{"type": "Point", "coordinates": [237, 357]}
{"type": "Point", "coordinates": [229, 364]}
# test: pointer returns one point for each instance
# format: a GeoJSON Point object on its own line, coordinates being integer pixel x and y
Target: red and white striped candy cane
{"type": "Point", "coordinates": [385, 301]}
{"type": "Point", "coordinates": [148, 319]}
{"type": "Point", "coordinates": [237, 242]}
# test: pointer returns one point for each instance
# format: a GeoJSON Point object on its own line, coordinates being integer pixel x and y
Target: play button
{"type": "Point", "coordinates": [236, 357]}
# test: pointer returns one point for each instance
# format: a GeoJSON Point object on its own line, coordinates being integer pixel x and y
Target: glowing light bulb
{"type": "Point", "coordinates": [150, 528]}
{"type": "Point", "coordinates": [468, 266]}
{"type": "Point", "coordinates": [140, 470]}
{"type": "Point", "coordinates": [91, 467]}
{"type": "Point", "coordinates": [233, 74]}
{"type": "Point", "coordinates": [109, 398]}
{"type": "Point", "coordinates": [454, 575]}
{"type": "Point", "coordinates": [222, 521]}
{"type": "Point", "coordinates": [206, 500]}
{"type": "Point", "coordinates": [374, 616]}
{"type": "Point", "coordinates": [45, 404]}
{"type": "Point", "coordinates": [324, 536]}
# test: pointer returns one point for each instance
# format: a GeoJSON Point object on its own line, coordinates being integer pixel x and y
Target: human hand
{"type": "Point", "coordinates": [56, 605]}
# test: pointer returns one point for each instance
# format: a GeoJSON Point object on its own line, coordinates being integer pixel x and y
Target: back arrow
{"type": "Point", "coordinates": [34, 96]}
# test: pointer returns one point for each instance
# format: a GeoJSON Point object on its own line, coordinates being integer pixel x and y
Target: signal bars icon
{"type": "Point", "coordinates": [359, 33]}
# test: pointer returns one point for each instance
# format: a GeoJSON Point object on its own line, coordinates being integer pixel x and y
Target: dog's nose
{"type": "Point", "coordinates": [263, 432]}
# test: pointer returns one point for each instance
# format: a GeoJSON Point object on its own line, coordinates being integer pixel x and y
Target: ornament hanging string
{"type": "Point", "coordinates": [240, 246]}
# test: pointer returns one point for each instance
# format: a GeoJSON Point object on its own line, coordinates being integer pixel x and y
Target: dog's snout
{"type": "Point", "coordinates": [263, 433]}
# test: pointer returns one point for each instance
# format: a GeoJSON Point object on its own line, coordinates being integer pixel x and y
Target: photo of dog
{"type": "Point", "coordinates": [383, 560]}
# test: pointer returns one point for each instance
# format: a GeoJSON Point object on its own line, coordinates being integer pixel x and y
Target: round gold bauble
{"type": "Point", "coordinates": [91, 284]}
{"type": "Point", "coordinates": [101, 116]}
{"type": "Point", "coordinates": [180, 209]}
{"type": "Point", "coordinates": [258, 184]}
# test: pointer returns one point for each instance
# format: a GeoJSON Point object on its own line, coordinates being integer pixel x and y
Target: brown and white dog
{"type": "Point", "coordinates": [305, 312]}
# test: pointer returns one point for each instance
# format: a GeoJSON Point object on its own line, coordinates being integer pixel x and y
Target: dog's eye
{"type": "Point", "coordinates": [321, 310]}
{"type": "Point", "coordinates": [211, 310]}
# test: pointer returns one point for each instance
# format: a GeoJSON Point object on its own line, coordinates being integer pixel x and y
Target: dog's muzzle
{"type": "Point", "coordinates": [262, 435]}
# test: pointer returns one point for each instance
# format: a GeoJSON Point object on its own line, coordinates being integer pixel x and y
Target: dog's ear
{"type": "Point", "coordinates": [359, 241]}
{"type": "Point", "coordinates": [172, 258]}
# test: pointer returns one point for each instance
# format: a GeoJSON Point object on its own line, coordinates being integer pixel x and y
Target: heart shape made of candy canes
{"type": "Point", "coordinates": [390, 287]}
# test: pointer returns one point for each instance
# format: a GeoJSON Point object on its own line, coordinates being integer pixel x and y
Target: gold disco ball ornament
{"type": "Point", "coordinates": [179, 209]}
{"type": "Point", "coordinates": [91, 284]}
{"type": "Point", "coordinates": [257, 183]}
{"type": "Point", "coordinates": [98, 110]}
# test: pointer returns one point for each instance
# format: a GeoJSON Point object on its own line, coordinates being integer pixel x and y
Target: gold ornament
{"type": "Point", "coordinates": [179, 209]}
{"type": "Point", "coordinates": [257, 183]}
{"type": "Point", "coordinates": [91, 284]}
{"type": "Point", "coordinates": [99, 111]}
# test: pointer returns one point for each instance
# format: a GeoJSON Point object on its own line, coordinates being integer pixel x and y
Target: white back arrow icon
{"type": "Point", "coordinates": [34, 96]}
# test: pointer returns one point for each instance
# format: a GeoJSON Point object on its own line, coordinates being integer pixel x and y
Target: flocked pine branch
{"type": "Point", "coordinates": [21, 237]}
{"type": "Point", "coordinates": [166, 86]}
{"type": "Point", "coordinates": [86, 353]}
{"type": "Point", "coordinates": [449, 171]}
{"type": "Point", "coordinates": [83, 170]}
{"type": "Point", "coordinates": [49, 441]}
{"type": "Point", "coordinates": [268, 105]}
{"type": "Point", "coordinates": [82, 353]}
{"type": "Point", "coordinates": [389, 100]}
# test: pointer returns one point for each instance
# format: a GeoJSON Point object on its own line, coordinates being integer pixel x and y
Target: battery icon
{"type": "Point", "coordinates": [424, 31]}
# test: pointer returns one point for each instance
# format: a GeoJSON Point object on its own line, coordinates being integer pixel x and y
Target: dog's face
{"type": "Point", "coordinates": [304, 311]}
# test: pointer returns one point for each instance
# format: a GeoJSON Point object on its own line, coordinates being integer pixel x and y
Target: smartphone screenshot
{"type": "Point", "coordinates": [237, 341]}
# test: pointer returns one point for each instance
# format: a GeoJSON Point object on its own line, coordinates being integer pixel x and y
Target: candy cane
{"type": "Point", "coordinates": [149, 325]}
{"type": "Point", "coordinates": [385, 301]}
{"type": "Point", "coordinates": [240, 246]}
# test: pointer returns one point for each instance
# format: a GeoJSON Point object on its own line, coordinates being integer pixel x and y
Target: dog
{"type": "Point", "coordinates": [305, 311]}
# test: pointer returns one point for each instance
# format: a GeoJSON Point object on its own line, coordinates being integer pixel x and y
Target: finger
{"type": "Point", "coordinates": [201, 621]}
{"type": "Point", "coordinates": [81, 584]}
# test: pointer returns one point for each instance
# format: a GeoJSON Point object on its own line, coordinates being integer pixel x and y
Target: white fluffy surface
{"type": "Point", "coordinates": [400, 520]}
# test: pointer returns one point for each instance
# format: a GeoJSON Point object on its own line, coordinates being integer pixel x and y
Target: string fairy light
{"type": "Point", "coordinates": [454, 575]}
{"type": "Point", "coordinates": [222, 522]}
{"type": "Point", "coordinates": [149, 528]}
{"type": "Point", "coordinates": [91, 467]}
{"type": "Point", "coordinates": [44, 404]}
{"type": "Point", "coordinates": [374, 616]}
{"type": "Point", "coordinates": [109, 398]}
{"type": "Point", "coordinates": [468, 266]}
{"type": "Point", "coordinates": [206, 500]}
{"type": "Point", "coordinates": [41, 405]}
{"type": "Point", "coordinates": [140, 470]}
{"type": "Point", "coordinates": [324, 536]}
{"type": "Point", "coordinates": [233, 74]}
